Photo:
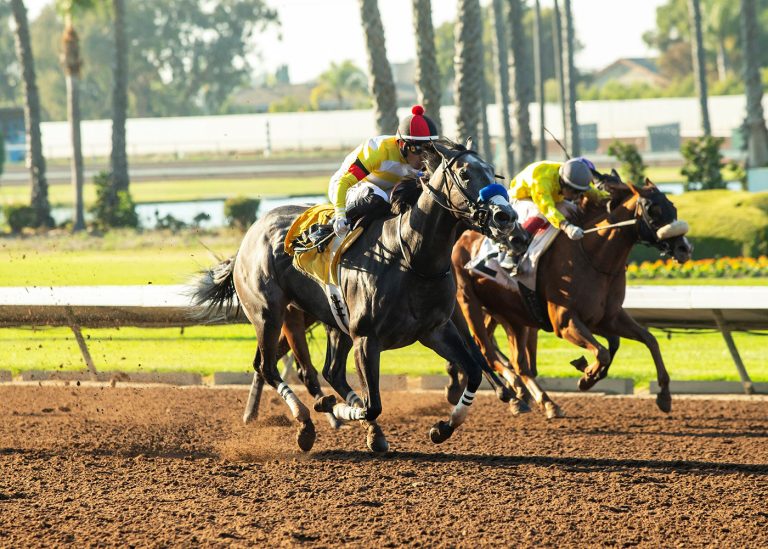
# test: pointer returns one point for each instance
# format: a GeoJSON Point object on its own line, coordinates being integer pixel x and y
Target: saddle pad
{"type": "Point", "coordinates": [321, 266]}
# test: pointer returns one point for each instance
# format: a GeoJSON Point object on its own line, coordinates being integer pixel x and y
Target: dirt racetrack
{"type": "Point", "coordinates": [166, 466]}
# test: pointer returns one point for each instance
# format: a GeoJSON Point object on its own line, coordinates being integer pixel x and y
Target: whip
{"type": "Point", "coordinates": [619, 224]}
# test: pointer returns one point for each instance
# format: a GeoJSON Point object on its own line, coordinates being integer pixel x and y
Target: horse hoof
{"type": "Point", "coordinates": [517, 407]}
{"type": "Point", "coordinates": [504, 394]}
{"type": "Point", "coordinates": [580, 363]}
{"type": "Point", "coordinates": [440, 432]}
{"type": "Point", "coordinates": [552, 410]}
{"type": "Point", "coordinates": [586, 383]}
{"type": "Point", "coordinates": [249, 417]}
{"type": "Point", "coordinates": [325, 404]}
{"type": "Point", "coordinates": [306, 435]}
{"type": "Point", "coordinates": [376, 441]}
{"type": "Point", "coordinates": [664, 402]}
{"type": "Point", "coordinates": [453, 393]}
{"type": "Point", "coordinates": [334, 422]}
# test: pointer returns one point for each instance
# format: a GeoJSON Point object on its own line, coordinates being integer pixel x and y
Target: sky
{"type": "Point", "coordinates": [318, 32]}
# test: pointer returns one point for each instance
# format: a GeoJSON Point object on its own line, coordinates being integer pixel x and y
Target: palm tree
{"type": "Point", "coordinates": [557, 35]}
{"type": "Point", "coordinates": [35, 158]}
{"type": "Point", "coordinates": [341, 80]}
{"type": "Point", "coordinates": [521, 77]}
{"type": "Point", "coordinates": [380, 80]}
{"type": "Point", "coordinates": [699, 65]}
{"type": "Point", "coordinates": [468, 67]}
{"type": "Point", "coordinates": [569, 81]}
{"type": "Point", "coordinates": [756, 132]}
{"type": "Point", "coordinates": [537, 60]}
{"type": "Point", "coordinates": [119, 157]}
{"type": "Point", "coordinates": [427, 72]}
{"type": "Point", "coordinates": [71, 61]}
{"type": "Point", "coordinates": [501, 67]}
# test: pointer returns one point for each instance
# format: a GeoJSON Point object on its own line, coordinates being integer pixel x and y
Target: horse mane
{"type": "Point", "coordinates": [407, 192]}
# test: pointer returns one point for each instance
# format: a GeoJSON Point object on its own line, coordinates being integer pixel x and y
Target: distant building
{"type": "Point", "coordinates": [14, 133]}
{"type": "Point", "coordinates": [258, 99]}
{"type": "Point", "coordinates": [628, 71]}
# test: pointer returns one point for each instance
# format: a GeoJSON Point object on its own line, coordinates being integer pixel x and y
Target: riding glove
{"type": "Point", "coordinates": [340, 226]}
{"type": "Point", "coordinates": [573, 232]}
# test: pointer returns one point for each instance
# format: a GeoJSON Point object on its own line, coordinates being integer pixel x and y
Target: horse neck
{"type": "Point", "coordinates": [428, 234]}
{"type": "Point", "coordinates": [610, 251]}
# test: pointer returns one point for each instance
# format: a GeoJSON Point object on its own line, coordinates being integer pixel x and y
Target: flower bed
{"type": "Point", "coordinates": [724, 267]}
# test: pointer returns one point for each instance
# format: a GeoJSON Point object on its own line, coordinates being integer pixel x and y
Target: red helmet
{"type": "Point", "coordinates": [417, 126]}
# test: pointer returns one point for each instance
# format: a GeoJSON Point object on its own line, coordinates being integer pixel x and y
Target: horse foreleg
{"type": "Point", "coordinates": [334, 372]}
{"type": "Point", "coordinates": [470, 322]}
{"type": "Point", "coordinates": [571, 328]}
{"type": "Point", "coordinates": [448, 343]}
{"type": "Point", "coordinates": [518, 338]}
{"type": "Point", "coordinates": [624, 325]}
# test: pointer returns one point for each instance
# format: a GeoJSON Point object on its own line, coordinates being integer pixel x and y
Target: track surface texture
{"type": "Point", "coordinates": [166, 466]}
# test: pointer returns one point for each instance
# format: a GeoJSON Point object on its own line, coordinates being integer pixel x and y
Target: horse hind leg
{"type": "Point", "coordinates": [572, 329]}
{"type": "Point", "coordinates": [294, 333]}
{"type": "Point", "coordinates": [254, 396]}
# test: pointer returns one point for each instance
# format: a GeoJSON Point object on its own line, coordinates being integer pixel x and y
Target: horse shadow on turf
{"type": "Point", "coordinates": [573, 464]}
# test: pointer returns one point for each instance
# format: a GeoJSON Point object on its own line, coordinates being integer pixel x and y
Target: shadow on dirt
{"type": "Point", "coordinates": [570, 464]}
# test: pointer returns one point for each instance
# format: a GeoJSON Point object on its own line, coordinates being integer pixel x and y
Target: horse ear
{"type": "Point", "coordinates": [615, 174]}
{"type": "Point", "coordinates": [469, 143]}
{"type": "Point", "coordinates": [649, 183]}
{"type": "Point", "coordinates": [442, 150]}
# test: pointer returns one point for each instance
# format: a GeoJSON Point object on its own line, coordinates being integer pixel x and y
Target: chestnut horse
{"type": "Point", "coordinates": [581, 287]}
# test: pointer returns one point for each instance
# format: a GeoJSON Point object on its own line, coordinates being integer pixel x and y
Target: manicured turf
{"type": "Point", "coordinates": [206, 349]}
{"type": "Point", "coordinates": [164, 191]}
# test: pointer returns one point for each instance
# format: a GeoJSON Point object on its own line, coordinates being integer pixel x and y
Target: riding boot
{"type": "Point", "coordinates": [511, 262]}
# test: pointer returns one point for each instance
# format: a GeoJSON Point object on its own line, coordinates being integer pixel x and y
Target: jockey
{"type": "Point", "coordinates": [368, 174]}
{"type": "Point", "coordinates": [548, 184]}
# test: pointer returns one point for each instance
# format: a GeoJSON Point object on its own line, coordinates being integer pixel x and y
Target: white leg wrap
{"type": "Point", "coordinates": [290, 398]}
{"type": "Point", "coordinates": [354, 400]}
{"type": "Point", "coordinates": [461, 410]}
{"type": "Point", "coordinates": [348, 413]}
{"type": "Point", "coordinates": [534, 389]}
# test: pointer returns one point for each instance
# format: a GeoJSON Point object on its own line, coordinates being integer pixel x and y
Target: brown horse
{"type": "Point", "coordinates": [580, 286]}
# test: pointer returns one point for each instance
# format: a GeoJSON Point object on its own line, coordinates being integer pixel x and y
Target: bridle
{"type": "Point", "coordinates": [477, 215]}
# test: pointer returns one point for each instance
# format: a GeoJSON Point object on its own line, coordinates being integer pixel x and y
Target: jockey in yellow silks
{"type": "Point", "coordinates": [368, 174]}
{"type": "Point", "coordinates": [548, 183]}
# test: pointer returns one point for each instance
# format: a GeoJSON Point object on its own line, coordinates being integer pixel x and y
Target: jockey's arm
{"type": "Point", "coordinates": [542, 195]}
{"type": "Point", "coordinates": [368, 159]}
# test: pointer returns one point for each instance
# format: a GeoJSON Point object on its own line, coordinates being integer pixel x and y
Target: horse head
{"type": "Point", "coordinates": [463, 183]}
{"type": "Point", "coordinates": [658, 224]}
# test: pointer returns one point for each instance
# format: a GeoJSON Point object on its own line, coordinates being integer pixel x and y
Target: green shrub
{"type": "Point", "coordinates": [112, 210]}
{"type": "Point", "coordinates": [240, 211]}
{"type": "Point", "coordinates": [703, 163]}
{"type": "Point", "coordinates": [2, 151]}
{"type": "Point", "coordinates": [19, 216]}
{"type": "Point", "coordinates": [632, 167]}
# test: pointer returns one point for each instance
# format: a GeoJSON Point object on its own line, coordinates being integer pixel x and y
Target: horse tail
{"type": "Point", "coordinates": [213, 293]}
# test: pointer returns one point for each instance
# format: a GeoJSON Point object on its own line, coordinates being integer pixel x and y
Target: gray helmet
{"type": "Point", "coordinates": [576, 174]}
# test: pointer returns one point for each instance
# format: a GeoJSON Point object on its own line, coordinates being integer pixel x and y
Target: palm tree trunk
{"type": "Point", "coordinates": [119, 158]}
{"type": "Point", "coordinates": [71, 62]}
{"type": "Point", "coordinates": [569, 81]}
{"type": "Point", "coordinates": [34, 157]}
{"type": "Point", "coordinates": [520, 76]}
{"type": "Point", "coordinates": [756, 132]}
{"type": "Point", "coordinates": [469, 73]}
{"type": "Point", "coordinates": [501, 67]}
{"type": "Point", "coordinates": [699, 65]}
{"type": "Point", "coordinates": [380, 80]}
{"type": "Point", "coordinates": [539, 78]}
{"type": "Point", "coordinates": [557, 35]}
{"type": "Point", "coordinates": [427, 72]}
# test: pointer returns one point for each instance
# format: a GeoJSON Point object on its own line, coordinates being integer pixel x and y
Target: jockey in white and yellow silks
{"type": "Point", "coordinates": [548, 183]}
{"type": "Point", "coordinates": [368, 174]}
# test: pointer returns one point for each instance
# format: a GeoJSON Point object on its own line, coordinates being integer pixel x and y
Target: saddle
{"type": "Point", "coordinates": [315, 248]}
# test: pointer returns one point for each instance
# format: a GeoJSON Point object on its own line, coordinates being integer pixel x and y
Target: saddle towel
{"type": "Point", "coordinates": [486, 261]}
{"type": "Point", "coordinates": [322, 263]}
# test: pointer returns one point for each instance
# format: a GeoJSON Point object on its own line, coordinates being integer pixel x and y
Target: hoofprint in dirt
{"type": "Point", "coordinates": [166, 466]}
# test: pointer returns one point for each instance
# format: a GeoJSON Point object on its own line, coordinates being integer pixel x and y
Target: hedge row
{"type": "Point", "coordinates": [724, 267]}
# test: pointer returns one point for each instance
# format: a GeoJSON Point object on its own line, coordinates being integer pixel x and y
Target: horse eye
{"type": "Point", "coordinates": [464, 174]}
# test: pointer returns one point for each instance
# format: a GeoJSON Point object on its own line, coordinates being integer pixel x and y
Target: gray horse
{"type": "Point", "coordinates": [395, 279]}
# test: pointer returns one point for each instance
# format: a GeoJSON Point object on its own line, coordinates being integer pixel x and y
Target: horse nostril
{"type": "Point", "coordinates": [501, 218]}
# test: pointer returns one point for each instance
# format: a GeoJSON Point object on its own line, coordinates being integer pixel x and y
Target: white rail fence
{"type": "Point", "coordinates": [724, 308]}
